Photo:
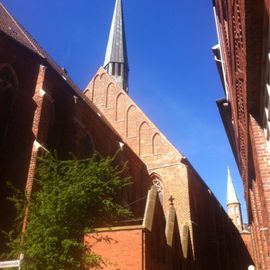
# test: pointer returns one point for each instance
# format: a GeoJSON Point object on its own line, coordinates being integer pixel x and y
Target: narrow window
{"type": "Point", "coordinates": [113, 68]}
{"type": "Point", "coordinates": [8, 86]}
{"type": "Point", "coordinates": [87, 147]}
{"type": "Point", "coordinates": [119, 69]}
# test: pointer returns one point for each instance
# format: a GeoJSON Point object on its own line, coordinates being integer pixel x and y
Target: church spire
{"type": "Point", "coordinates": [231, 193]}
{"type": "Point", "coordinates": [116, 61]}
{"type": "Point", "coordinates": [233, 204]}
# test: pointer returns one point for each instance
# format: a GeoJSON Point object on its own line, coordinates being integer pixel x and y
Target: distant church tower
{"type": "Point", "coordinates": [116, 61]}
{"type": "Point", "coordinates": [233, 204]}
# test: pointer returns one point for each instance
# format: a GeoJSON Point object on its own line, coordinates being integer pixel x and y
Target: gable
{"type": "Point", "coordinates": [135, 128]}
{"type": "Point", "coordinates": [145, 139]}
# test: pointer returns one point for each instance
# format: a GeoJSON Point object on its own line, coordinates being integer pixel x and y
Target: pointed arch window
{"type": "Point", "coordinates": [87, 146]}
{"type": "Point", "coordinates": [8, 87]}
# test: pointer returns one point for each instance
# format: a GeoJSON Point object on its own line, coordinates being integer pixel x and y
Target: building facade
{"type": "Point", "coordinates": [243, 57]}
{"type": "Point", "coordinates": [178, 223]}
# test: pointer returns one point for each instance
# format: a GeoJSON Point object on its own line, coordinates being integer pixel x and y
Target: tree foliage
{"type": "Point", "coordinates": [72, 197]}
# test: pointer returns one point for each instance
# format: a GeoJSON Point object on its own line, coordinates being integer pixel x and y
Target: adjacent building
{"type": "Point", "coordinates": [243, 59]}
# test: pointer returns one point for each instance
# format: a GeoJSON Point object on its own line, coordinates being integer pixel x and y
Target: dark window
{"type": "Point", "coordinates": [8, 86]}
{"type": "Point", "coordinates": [113, 68]}
{"type": "Point", "coordinates": [87, 147]}
{"type": "Point", "coordinates": [51, 136]}
{"type": "Point", "coordinates": [119, 69]}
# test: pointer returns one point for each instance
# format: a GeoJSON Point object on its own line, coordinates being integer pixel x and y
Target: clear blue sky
{"type": "Point", "coordinates": [173, 77]}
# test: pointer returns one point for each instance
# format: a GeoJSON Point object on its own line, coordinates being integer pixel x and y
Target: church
{"type": "Point", "coordinates": [178, 224]}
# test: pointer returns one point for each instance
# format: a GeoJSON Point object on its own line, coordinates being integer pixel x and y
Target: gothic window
{"type": "Point", "coordinates": [157, 144]}
{"type": "Point", "coordinates": [131, 122]}
{"type": "Point", "coordinates": [120, 108]}
{"type": "Point", "coordinates": [8, 87]}
{"type": "Point", "coordinates": [158, 185]}
{"type": "Point", "coordinates": [87, 147]}
{"type": "Point", "coordinates": [119, 69]}
{"type": "Point", "coordinates": [50, 116]}
{"type": "Point", "coordinates": [98, 94]}
{"type": "Point", "coordinates": [145, 140]}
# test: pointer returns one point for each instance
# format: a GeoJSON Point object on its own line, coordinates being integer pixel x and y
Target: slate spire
{"type": "Point", "coordinates": [233, 204]}
{"type": "Point", "coordinates": [231, 193]}
{"type": "Point", "coordinates": [116, 61]}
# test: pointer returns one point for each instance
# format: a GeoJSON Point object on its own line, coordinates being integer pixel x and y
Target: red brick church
{"type": "Point", "coordinates": [178, 224]}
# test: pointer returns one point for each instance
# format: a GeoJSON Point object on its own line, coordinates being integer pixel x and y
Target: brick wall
{"type": "Point", "coordinates": [260, 188]}
{"type": "Point", "coordinates": [16, 154]}
{"type": "Point", "coordinates": [196, 206]}
{"type": "Point", "coordinates": [47, 115]}
{"type": "Point", "coordinates": [114, 247]}
{"type": "Point", "coordinates": [144, 138]}
{"type": "Point", "coordinates": [135, 247]}
{"type": "Point", "coordinates": [215, 235]}
{"type": "Point", "coordinates": [243, 28]}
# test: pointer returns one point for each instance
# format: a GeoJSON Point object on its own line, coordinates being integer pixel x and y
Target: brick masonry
{"type": "Point", "coordinates": [144, 138]}
{"type": "Point", "coordinates": [114, 247]}
{"type": "Point", "coordinates": [260, 186]}
{"type": "Point", "coordinates": [178, 177]}
{"type": "Point", "coordinates": [243, 30]}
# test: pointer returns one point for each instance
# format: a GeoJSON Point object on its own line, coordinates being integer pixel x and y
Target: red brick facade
{"type": "Point", "coordinates": [133, 247]}
{"type": "Point", "coordinates": [114, 247]}
{"type": "Point", "coordinates": [243, 60]}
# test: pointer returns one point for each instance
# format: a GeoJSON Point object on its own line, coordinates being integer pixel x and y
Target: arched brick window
{"type": "Point", "coordinates": [131, 122]}
{"type": "Point", "coordinates": [145, 140]}
{"type": "Point", "coordinates": [120, 107]}
{"type": "Point", "coordinates": [110, 91]}
{"type": "Point", "coordinates": [157, 144]}
{"type": "Point", "coordinates": [8, 87]}
{"type": "Point", "coordinates": [87, 146]}
{"type": "Point", "coordinates": [98, 94]}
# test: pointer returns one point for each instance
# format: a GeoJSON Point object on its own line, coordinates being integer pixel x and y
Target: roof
{"type": "Point", "coordinates": [117, 49]}
{"type": "Point", "coordinates": [13, 29]}
{"type": "Point", "coordinates": [231, 193]}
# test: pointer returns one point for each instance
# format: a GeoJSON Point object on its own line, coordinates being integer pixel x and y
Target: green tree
{"type": "Point", "coordinates": [72, 197]}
